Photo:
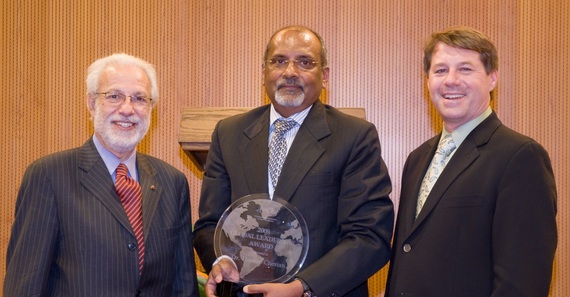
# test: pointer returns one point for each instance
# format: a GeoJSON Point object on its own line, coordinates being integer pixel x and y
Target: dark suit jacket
{"type": "Point", "coordinates": [71, 236]}
{"type": "Point", "coordinates": [488, 227]}
{"type": "Point", "coordinates": [333, 174]}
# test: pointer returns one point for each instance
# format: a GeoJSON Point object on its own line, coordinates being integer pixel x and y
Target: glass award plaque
{"type": "Point", "coordinates": [267, 239]}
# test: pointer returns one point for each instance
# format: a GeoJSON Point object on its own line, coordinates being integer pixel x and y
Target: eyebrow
{"type": "Point", "coordinates": [447, 64]}
{"type": "Point", "coordinates": [136, 93]}
{"type": "Point", "coordinates": [303, 56]}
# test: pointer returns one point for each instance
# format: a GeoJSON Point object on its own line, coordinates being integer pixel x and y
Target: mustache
{"type": "Point", "coordinates": [118, 118]}
{"type": "Point", "coordinates": [290, 82]}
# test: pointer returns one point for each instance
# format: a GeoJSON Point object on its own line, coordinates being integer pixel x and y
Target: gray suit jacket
{"type": "Point", "coordinates": [333, 174]}
{"type": "Point", "coordinates": [71, 236]}
{"type": "Point", "coordinates": [488, 227]}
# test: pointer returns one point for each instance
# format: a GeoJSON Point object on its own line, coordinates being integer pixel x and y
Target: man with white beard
{"type": "Point", "coordinates": [102, 219]}
{"type": "Point", "coordinates": [333, 173]}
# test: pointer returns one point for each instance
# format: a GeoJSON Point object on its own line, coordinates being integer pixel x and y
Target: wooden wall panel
{"type": "Point", "coordinates": [208, 53]}
{"type": "Point", "coordinates": [540, 106]}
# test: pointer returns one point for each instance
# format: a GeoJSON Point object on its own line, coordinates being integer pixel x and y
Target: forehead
{"type": "Point", "coordinates": [293, 43]}
{"type": "Point", "coordinates": [124, 76]}
{"type": "Point", "coordinates": [444, 53]}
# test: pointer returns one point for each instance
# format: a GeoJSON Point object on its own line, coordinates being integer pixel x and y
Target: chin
{"type": "Point", "coordinates": [123, 144]}
{"type": "Point", "coordinates": [121, 141]}
{"type": "Point", "coordinates": [290, 101]}
{"type": "Point", "coordinates": [451, 111]}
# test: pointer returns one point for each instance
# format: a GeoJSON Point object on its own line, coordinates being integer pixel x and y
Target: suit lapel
{"type": "Point", "coordinates": [254, 154]}
{"type": "Point", "coordinates": [419, 169]}
{"type": "Point", "coordinates": [96, 179]}
{"type": "Point", "coordinates": [466, 154]}
{"type": "Point", "coordinates": [304, 152]}
{"type": "Point", "coordinates": [151, 190]}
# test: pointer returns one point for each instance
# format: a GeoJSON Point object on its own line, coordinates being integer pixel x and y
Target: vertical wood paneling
{"type": "Point", "coordinates": [208, 53]}
{"type": "Point", "coordinates": [541, 106]}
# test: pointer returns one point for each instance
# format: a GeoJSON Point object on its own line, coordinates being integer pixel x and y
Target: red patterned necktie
{"type": "Point", "coordinates": [130, 193]}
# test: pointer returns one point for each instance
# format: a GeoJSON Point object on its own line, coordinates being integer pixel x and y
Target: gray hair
{"type": "Point", "coordinates": [95, 69]}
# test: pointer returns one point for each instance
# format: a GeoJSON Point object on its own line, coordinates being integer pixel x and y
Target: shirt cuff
{"type": "Point", "coordinates": [224, 257]}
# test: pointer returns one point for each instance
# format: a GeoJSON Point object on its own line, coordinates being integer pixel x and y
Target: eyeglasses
{"type": "Point", "coordinates": [116, 99]}
{"type": "Point", "coordinates": [282, 63]}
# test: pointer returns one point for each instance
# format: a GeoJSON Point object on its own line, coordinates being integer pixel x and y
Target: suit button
{"type": "Point", "coordinates": [139, 293]}
{"type": "Point", "coordinates": [407, 248]}
{"type": "Point", "coordinates": [132, 246]}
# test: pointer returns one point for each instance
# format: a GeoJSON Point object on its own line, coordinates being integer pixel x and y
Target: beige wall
{"type": "Point", "coordinates": [208, 54]}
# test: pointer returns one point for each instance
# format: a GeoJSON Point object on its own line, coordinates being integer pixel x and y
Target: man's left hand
{"type": "Point", "coordinates": [292, 289]}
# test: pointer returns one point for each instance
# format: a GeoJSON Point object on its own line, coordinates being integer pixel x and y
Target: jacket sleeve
{"type": "Point", "coordinates": [524, 225]}
{"type": "Point", "coordinates": [185, 282]}
{"type": "Point", "coordinates": [32, 243]}
{"type": "Point", "coordinates": [365, 217]}
{"type": "Point", "coordinates": [214, 199]}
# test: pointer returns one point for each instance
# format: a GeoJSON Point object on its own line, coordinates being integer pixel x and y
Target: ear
{"type": "Point", "coordinates": [91, 103]}
{"type": "Point", "coordinates": [326, 71]}
{"type": "Point", "coordinates": [494, 76]}
{"type": "Point", "coordinates": [263, 75]}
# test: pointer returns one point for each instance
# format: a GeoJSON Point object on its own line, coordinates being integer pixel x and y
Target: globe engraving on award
{"type": "Point", "coordinates": [267, 239]}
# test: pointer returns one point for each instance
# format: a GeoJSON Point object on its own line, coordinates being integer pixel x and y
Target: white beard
{"type": "Point", "coordinates": [289, 100]}
{"type": "Point", "coordinates": [119, 141]}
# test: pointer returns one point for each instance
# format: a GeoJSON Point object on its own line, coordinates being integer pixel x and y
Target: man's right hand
{"type": "Point", "coordinates": [224, 270]}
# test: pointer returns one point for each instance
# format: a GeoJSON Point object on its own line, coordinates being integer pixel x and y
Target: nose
{"type": "Point", "coordinates": [452, 78]}
{"type": "Point", "coordinates": [291, 70]}
{"type": "Point", "coordinates": [127, 106]}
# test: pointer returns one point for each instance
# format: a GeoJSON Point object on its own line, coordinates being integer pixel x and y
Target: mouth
{"type": "Point", "coordinates": [453, 96]}
{"type": "Point", "coordinates": [289, 87]}
{"type": "Point", "coordinates": [124, 124]}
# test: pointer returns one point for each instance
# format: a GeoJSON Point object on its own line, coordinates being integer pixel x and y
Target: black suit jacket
{"type": "Point", "coordinates": [71, 236]}
{"type": "Point", "coordinates": [488, 227]}
{"type": "Point", "coordinates": [333, 174]}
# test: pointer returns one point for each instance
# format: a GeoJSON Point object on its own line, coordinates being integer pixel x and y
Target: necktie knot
{"type": "Point", "coordinates": [127, 188]}
{"type": "Point", "coordinates": [282, 126]}
{"type": "Point", "coordinates": [122, 170]}
{"type": "Point", "coordinates": [446, 146]}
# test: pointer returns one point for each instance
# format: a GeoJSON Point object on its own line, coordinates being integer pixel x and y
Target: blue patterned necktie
{"type": "Point", "coordinates": [278, 148]}
{"type": "Point", "coordinates": [444, 149]}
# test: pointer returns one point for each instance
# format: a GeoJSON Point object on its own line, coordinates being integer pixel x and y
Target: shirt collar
{"type": "Point", "coordinates": [111, 161]}
{"type": "Point", "coordinates": [298, 117]}
{"type": "Point", "coordinates": [463, 131]}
